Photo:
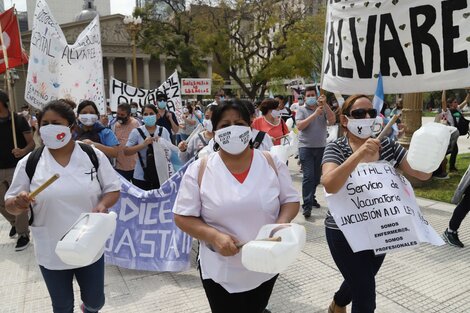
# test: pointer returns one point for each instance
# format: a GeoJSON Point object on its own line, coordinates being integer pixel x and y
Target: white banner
{"type": "Point", "coordinates": [120, 92]}
{"type": "Point", "coordinates": [417, 46]}
{"type": "Point", "coordinates": [376, 210]}
{"type": "Point", "coordinates": [196, 86]}
{"type": "Point", "coordinates": [59, 70]}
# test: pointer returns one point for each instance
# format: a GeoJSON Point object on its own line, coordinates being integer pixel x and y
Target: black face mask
{"type": "Point", "coordinates": [122, 120]}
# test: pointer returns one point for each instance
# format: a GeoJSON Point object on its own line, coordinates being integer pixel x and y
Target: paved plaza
{"type": "Point", "coordinates": [425, 280]}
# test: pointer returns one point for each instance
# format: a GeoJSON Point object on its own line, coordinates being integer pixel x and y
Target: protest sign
{"type": "Point", "coordinates": [120, 92]}
{"type": "Point", "coordinates": [146, 237]}
{"type": "Point", "coordinates": [196, 86]}
{"type": "Point", "coordinates": [59, 70]}
{"type": "Point", "coordinates": [417, 46]}
{"type": "Point", "coordinates": [376, 209]}
{"type": "Point", "coordinates": [166, 159]}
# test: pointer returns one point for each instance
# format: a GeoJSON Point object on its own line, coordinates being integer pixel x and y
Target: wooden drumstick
{"type": "Point", "coordinates": [44, 186]}
{"type": "Point", "coordinates": [278, 239]}
{"type": "Point", "coordinates": [389, 125]}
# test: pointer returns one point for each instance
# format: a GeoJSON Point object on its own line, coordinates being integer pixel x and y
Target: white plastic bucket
{"type": "Point", "coordinates": [428, 147]}
{"type": "Point", "coordinates": [86, 238]}
{"type": "Point", "coordinates": [271, 256]}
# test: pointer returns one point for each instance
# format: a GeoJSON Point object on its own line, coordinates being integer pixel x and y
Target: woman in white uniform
{"type": "Point", "coordinates": [59, 206]}
{"type": "Point", "coordinates": [238, 190]}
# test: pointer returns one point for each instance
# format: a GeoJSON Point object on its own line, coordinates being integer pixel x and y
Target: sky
{"type": "Point", "coordinates": [117, 6]}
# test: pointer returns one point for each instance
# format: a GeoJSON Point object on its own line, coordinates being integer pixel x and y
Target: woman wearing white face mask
{"type": "Point", "coordinates": [270, 121]}
{"type": "Point", "coordinates": [92, 132]}
{"type": "Point", "coordinates": [219, 203]}
{"type": "Point", "coordinates": [341, 157]}
{"type": "Point", "coordinates": [87, 183]}
{"type": "Point", "coordinates": [199, 141]}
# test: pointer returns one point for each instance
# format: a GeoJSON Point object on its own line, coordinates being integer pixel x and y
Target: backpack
{"type": "Point", "coordinates": [33, 160]}
{"type": "Point", "coordinates": [461, 124]}
{"type": "Point", "coordinates": [150, 171]}
{"type": "Point", "coordinates": [203, 165]}
{"type": "Point", "coordinates": [258, 139]}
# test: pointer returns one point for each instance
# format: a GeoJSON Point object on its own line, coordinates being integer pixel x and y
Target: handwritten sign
{"type": "Point", "coordinates": [417, 46]}
{"type": "Point", "coordinates": [120, 92]}
{"type": "Point", "coordinates": [376, 209]}
{"type": "Point", "coordinates": [59, 70]}
{"type": "Point", "coordinates": [196, 86]}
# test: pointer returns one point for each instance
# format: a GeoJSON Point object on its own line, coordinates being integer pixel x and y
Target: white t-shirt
{"type": "Point", "coordinates": [195, 144]}
{"type": "Point", "coordinates": [234, 208]}
{"type": "Point", "coordinates": [57, 207]}
{"type": "Point", "coordinates": [135, 138]}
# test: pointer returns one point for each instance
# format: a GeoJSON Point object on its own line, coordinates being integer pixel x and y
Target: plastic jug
{"type": "Point", "coordinates": [86, 238]}
{"type": "Point", "coordinates": [428, 147]}
{"type": "Point", "coordinates": [282, 152]}
{"type": "Point", "coordinates": [271, 256]}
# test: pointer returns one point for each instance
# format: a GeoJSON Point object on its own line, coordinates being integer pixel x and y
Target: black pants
{"type": "Point", "coordinates": [126, 174]}
{"type": "Point", "coordinates": [251, 301]}
{"type": "Point", "coordinates": [145, 185]}
{"type": "Point", "coordinates": [358, 269]}
{"type": "Point", "coordinates": [461, 210]}
{"type": "Point", "coordinates": [453, 156]}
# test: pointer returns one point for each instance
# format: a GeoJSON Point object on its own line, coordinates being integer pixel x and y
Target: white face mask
{"type": "Point", "coordinates": [55, 136]}
{"type": "Point", "coordinates": [275, 113]}
{"type": "Point", "coordinates": [88, 119]}
{"type": "Point", "coordinates": [233, 139]}
{"type": "Point", "coordinates": [185, 110]}
{"type": "Point", "coordinates": [362, 128]}
{"type": "Point", "coordinates": [207, 125]}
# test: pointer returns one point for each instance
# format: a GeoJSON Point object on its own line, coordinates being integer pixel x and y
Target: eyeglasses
{"type": "Point", "coordinates": [362, 113]}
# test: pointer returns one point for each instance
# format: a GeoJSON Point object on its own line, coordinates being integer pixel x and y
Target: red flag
{"type": "Point", "coordinates": [12, 41]}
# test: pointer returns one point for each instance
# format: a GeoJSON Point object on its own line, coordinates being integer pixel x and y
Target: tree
{"type": "Point", "coordinates": [217, 83]}
{"type": "Point", "coordinates": [169, 29]}
{"type": "Point", "coordinates": [252, 41]}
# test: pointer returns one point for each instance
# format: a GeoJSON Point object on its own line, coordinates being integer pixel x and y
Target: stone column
{"type": "Point", "coordinates": [129, 70]}
{"type": "Point", "coordinates": [110, 68]}
{"type": "Point", "coordinates": [146, 73]}
{"type": "Point", "coordinates": [411, 117]}
{"type": "Point", "coordinates": [162, 68]}
{"type": "Point", "coordinates": [209, 68]}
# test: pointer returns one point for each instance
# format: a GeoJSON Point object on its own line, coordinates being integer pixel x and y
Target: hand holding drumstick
{"type": "Point", "coordinates": [23, 200]}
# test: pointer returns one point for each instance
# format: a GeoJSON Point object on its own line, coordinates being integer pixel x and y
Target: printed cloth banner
{"type": "Point", "coordinates": [417, 46]}
{"type": "Point", "coordinates": [376, 210]}
{"type": "Point", "coordinates": [120, 92]}
{"type": "Point", "coordinates": [59, 70]}
{"type": "Point", "coordinates": [196, 86]}
{"type": "Point", "coordinates": [12, 41]}
{"type": "Point", "coordinates": [146, 237]}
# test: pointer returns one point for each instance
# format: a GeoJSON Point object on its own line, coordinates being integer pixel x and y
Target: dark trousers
{"type": "Point", "coordinates": [453, 155]}
{"type": "Point", "coordinates": [358, 269]}
{"type": "Point", "coordinates": [461, 210]}
{"type": "Point", "coordinates": [251, 301]}
{"type": "Point", "coordinates": [126, 174]}
{"type": "Point", "coordinates": [90, 279]}
{"type": "Point", "coordinates": [145, 185]}
{"type": "Point", "coordinates": [310, 159]}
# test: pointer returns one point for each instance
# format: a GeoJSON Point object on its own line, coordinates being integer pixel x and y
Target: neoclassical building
{"type": "Point", "coordinates": [117, 56]}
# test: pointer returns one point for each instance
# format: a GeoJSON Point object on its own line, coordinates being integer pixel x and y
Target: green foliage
{"type": "Point", "coordinates": [217, 83]}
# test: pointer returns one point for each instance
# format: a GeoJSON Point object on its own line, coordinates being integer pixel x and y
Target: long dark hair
{"type": "Point", "coordinates": [86, 103]}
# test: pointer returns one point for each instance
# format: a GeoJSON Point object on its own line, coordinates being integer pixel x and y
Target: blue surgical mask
{"type": "Point", "coordinates": [222, 98]}
{"type": "Point", "coordinates": [311, 101]}
{"type": "Point", "coordinates": [300, 101]}
{"type": "Point", "coordinates": [133, 110]}
{"type": "Point", "coordinates": [162, 104]}
{"type": "Point", "coordinates": [150, 120]}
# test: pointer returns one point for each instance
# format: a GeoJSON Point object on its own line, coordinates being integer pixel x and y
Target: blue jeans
{"type": "Point", "coordinates": [358, 269]}
{"type": "Point", "coordinates": [90, 279]}
{"type": "Point", "coordinates": [310, 159]}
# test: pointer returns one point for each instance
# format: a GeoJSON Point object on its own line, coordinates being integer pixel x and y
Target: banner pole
{"type": "Point", "coordinates": [11, 103]}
